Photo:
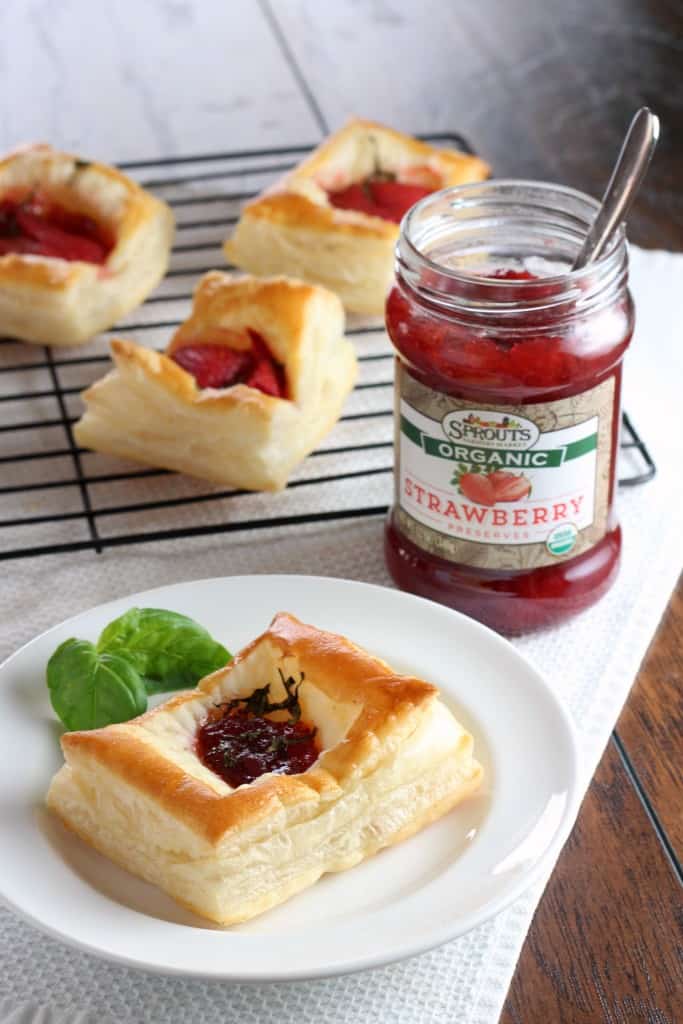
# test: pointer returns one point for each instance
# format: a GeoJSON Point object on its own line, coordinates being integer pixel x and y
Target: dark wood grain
{"type": "Point", "coordinates": [581, 70]}
{"type": "Point", "coordinates": [606, 942]}
{"type": "Point", "coordinates": [651, 725]}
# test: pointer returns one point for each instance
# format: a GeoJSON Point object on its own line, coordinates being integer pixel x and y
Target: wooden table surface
{"type": "Point", "coordinates": [543, 89]}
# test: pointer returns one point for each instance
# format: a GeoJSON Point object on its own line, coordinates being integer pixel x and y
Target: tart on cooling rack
{"type": "Point", "coordinates": [80, 245]}
{"type": "Point", "coordinates": [334, 218]}
{"type": "Point", "coordinates": [247, 387]}
{"type": "Point", "coordinates": [305, 755]}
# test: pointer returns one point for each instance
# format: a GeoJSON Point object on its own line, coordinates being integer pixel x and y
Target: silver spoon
{"type": "Point", "coordinates": [627, 177]}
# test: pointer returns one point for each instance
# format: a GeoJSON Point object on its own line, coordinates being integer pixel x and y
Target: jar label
{"type": "Point", "coordinates": [502, 486]}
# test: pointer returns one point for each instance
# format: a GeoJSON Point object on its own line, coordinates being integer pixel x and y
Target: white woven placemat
{"type": "Point", "coordinates": [591, 662]}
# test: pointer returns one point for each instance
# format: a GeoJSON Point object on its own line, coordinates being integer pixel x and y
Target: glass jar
{"type": "Point", "coordinates": [508, 383]}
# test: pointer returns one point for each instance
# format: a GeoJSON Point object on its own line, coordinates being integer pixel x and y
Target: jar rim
{"type": "Point", "coordinates": [609, 260]}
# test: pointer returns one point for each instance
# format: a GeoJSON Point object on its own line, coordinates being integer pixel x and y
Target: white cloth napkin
{"type": "Point", "coordinates": [591, 662]}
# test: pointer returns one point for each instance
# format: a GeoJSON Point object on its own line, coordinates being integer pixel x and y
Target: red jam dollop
{"type": "Point", "coordinates": [219, 366]}
{"type": "Point", "coordinates": [39, 227]}
{"type": "Point", "coordinates": [560, 354]}
{"type": "Point", "coordinates": [240, 747]}
{"type": "Point", "coordinates": [379, 197]}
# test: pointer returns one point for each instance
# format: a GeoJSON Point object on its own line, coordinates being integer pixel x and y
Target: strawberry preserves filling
{"type": "Point", "coordinates": [454, 355]}
{"type": "Point", "coordinates": [240, 747]}
{"type": "Point", "coordinates": [379, 197]}
{"type": "Point", "coordinates": [219, 366]}
{"type": "Point", "coordinates": [35, 226]}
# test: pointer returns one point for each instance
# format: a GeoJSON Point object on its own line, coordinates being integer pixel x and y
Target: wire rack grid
{"type": "Point", "coordinates": [57, 498]}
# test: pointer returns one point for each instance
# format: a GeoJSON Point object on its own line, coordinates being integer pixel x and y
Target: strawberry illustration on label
{"type": "Point", "coordinates": [508, 487]}
{"type": "Point", "coordinates": [477, 488]}
{"type": "Point", "coordinates": [490, 488]}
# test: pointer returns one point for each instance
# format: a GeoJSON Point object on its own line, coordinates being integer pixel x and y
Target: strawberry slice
{"type": "Point", "coordinates": [267, 377]}
{"type": "Point", "coordinates": [389, 200]}
{"type": "Point", "coordinates": [219, 366]}
{"type": "Point", "coordinates": [21, 246]}
{"type": "Point", "coordinates": [508, 487]}
{"type": "Point", "coordinates": [500, 477]}
{"type": "Point", "coordinates": [75, 223]}
{"type": "Point", "coordinates": [395, 198]}
{"type": "Point", "coordinates": [267, 374]}
{"type": "Point", "coordinates": [355, 197]}
{"type": "Point", "coordinates": [477, 488]}
{"type": "Point", "coordinates": [57, 242]}
{"type": "Point", "coordinates": [33, 225]}
{"type": "Point", "coordinates": [213, 366]}
{"type": "Point", "coordinates": [259, 347]}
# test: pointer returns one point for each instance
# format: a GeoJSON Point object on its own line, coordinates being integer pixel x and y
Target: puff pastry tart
{"type": "Point", "coordinates": [245, 390]}
{"type": "Point", "coordinates": [232, 806]}
{"type": "Point", "coordinates": [334, 219]}
{"type": "Point", "coordinates": [80, 245]}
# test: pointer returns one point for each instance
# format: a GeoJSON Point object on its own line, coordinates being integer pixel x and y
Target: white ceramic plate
{"type": "Point", "coordinates": [437, 885]}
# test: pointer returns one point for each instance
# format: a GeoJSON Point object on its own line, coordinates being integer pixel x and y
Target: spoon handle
{"type": "Point", "coordinates": [628, 173]}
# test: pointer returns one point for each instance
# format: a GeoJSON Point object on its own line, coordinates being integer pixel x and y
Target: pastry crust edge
{"type": "Point", "coordinates": [286, 312]}
{"type": "Point", "coordinates": [293, 225]}
{"type": "Point", "coordinates": [49, 301]}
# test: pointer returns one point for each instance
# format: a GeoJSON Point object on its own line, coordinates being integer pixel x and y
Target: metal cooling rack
{"type": "Point", "coordinates": [55, 497]}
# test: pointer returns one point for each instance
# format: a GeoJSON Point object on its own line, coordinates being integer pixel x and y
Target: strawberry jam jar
{"type": "Point", "coordinates": [508, 381]}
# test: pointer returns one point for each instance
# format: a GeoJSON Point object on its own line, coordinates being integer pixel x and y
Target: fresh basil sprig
{"type": "Point", "coordinates": [89, 689]}
{"type": "Point", "coordinates": [170, 651]}
{"type": "Point", "coordinates": [144, 651]}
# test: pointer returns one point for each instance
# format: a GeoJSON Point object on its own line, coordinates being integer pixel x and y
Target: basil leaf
{"type": "Point", "coordinates": [170, 651]}
{"type": "Point", "coordinates": [89, 689]}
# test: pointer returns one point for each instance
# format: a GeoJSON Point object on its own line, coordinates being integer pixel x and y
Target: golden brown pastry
{"type": "Point", "coordinates": [80, 245]}
{"type": "Point", "coordinates": [247, 387]}
{"type": "Point", "coordinates": [390, 759]}
{"type": "Point", "coordinates": [334, 218]}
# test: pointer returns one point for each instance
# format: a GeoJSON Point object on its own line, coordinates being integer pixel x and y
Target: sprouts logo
{"type": "Point", "coordinates": [483, 428]}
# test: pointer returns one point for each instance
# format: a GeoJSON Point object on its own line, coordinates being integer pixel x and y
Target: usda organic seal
{"type": "Point", "coordinates": [562, 539]}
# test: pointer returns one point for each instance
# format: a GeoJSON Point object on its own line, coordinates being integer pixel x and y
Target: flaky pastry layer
{"type": "Point", "coordinates": [293, 228]}
{"type": "Point", "coordinates": [393, 759]}
{"type": "Point", "coordinates": [52, 301]}
{"type": "Point", "coordinates": [150, 409]}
